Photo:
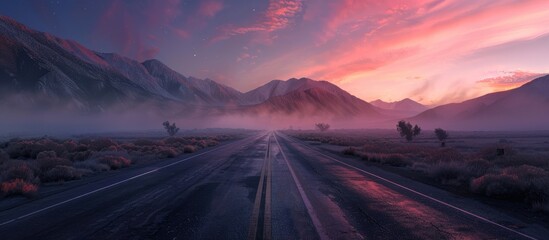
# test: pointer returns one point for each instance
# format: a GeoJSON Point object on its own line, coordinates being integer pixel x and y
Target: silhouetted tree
{"type": "Point", "coordinates": [171, 129]}
{"type": "Point", "coordinates": [322, 126]}
{"type": "Point", "coordinates": [407, 131]}
{"type": "Point", "coordinates": [442, 135]}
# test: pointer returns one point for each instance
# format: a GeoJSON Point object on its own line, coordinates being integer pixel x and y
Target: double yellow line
{"type": "Point", "coordinates": [265, 182]}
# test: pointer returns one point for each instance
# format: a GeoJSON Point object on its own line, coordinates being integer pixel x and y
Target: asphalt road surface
{"type": "Point", "coordinates": [269, 186]}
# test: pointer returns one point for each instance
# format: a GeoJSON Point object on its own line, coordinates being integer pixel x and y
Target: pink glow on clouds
{"type": "Point", "coordinates": [127, 30]}
{"type": "Point", "coordinates": [375, 44]}
{"type": "Point", "coordinates": [435, 51]}
{"type": "Point", "coordinates": [509, 80]}
{"type": "Point", "coordinates": [278, 15]}
{"type": "Point", "coordinates": [210, 8]}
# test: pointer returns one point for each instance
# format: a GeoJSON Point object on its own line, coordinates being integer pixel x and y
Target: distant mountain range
{"type": "Point", "coordinates": [41, 72]}
{"type": "Point", "coordinates": [523, 108]}
{"type": "Point", "coordinates": [403, 108]}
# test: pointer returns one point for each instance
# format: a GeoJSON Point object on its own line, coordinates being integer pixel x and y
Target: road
{"type": "Point", "coordinates": [269, 186]}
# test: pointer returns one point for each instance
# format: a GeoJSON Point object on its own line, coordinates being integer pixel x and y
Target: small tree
{"type": "Point", "coordinates": [322, 126]}
{"type": "Point", "coordinates": [171, 129]}
{"type": "Point", "coordinates": [442, 135]}
{"type": "Point", "coordinates": [407, 131]}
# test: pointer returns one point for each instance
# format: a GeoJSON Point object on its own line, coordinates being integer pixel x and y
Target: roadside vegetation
{"type": "Point", "coordinates": [474, 164]}
{"type": "Point", "coordinates": [25, 164]}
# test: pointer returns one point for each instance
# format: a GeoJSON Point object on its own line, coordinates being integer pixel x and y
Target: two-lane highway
{"type": "Point", "coordinates": [268, 186]}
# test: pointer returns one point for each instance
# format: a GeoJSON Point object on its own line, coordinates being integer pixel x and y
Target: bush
{"type": "Point", "coordinates": [99, 144]}
{"type": "Point", "coordinates": [30, 148]}
{"type": "Point", "coordinates": [60, 173]}
{"type": "Point", "coordinates": [46, 154]}
{"type": "Point", "coordinates": [167, 153]}
{"type": "Point", "coordinates": [18, 187]}
{"type": "Point", "coordinates": [351, 151]}
{"type": "Point", "coordinates": [4, 157]}
{"type": "Point", "coordinates": [451, 173]}
{"type": "Point", "coordinates": [92, 165]}
{"type": "Point", "coordinates": [394, 159]}
{"type": "Point", "coordinates": [147, 142]}
{"type": "Point", "coordinates": [48, 163]}
{"type": "Point", "coordinates": [115, 162]}
{"type": "Point", "coordinates": [17, 169]}
{"type": "Point", "coordinates": [524, 183]}
{"type": "Point", "coordinates": [189, 149]}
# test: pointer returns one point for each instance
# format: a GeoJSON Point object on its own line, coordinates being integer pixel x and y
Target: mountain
{"type": "Point", "coordinates": [278, 88]}
{"type": "Point", "coordinates": [204, 92]}
{"type": "Point", "coordinates": [523, 108]}
{"type": "Point", "coordinates": [403, 108]}
{"type": "Point", "coordinates": [314, 101]}
{"type": "Point", "coordinates": [39, 71]}
{"type": "Point", "coordinates": [41, 68]}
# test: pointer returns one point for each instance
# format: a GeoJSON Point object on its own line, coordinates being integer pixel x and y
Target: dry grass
{"type": "Point", "coordinates": [519, 175]}
{"type": "Point", "coordinates": [26, 163]}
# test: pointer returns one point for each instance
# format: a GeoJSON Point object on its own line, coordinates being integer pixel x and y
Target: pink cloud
{"type": "Point", "coordinates": [509, 80]}
{"type": "Point", "coordinates": [129, 32]}
{"type": "Point", "coordinates": [209, 8]}
{"type": "Point", "coordinates": [279, 14]}
{"type": "Point", "coordinates": [181, 33]}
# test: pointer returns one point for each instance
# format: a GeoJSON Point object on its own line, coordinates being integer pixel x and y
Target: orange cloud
{"type": "Point", "coordinates": [509, 80]}
{"type": "Point", "coordinates": [210, 8]}
{"type": "Point", "coordinates": [278, 15]}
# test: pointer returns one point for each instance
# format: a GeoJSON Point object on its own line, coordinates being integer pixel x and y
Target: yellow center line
{"type": "Point", "coordinates": [254, 221]}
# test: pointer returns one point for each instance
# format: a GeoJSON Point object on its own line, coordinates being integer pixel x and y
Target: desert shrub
{"type": "Point", "coordinates": [524, 183]}
{"type": "Point", "coordinates": [4, 156]}
{"type": "Point", "coordinates": [490, 152]}
{"type": "Point", "coordinates": [521, 159]}
{"type": "Point", "coordinates": [189, 149]}
{"type": "Point", "coordinates": [80, 156]}
{"type": "Point", "coordinates": [60, 173]}
{"type": "Point", "coordinates": [98, 144]}
{"type": "Point", "coordinates": [81, 148]}
{"type": "Point", "coordinates": [115, 162]}
{"type": "Point", "coordinates": [175, 141]}
{"type": "Point", "coordinates": [478, 167]}
{"type": "Point", "coordinates": [30, 148]}
{"type": "Point", "coordinates": [498, 185]}
{"type": "Point", "coordinates": [92, 165]}
{"type": "Point", "coordinates": [351, 151]}
{"type": "Point", "coordinates": [211, 142]}
{"type": "Point", "coordinates": [46, 154]}
{"type": "Point", "coordinates": [396, 160]}
{"type": "Point", "coordinates": [391, 159]}
{"type": "Point", "coordinates": [451, 173]}
{"type": "Point", "coordinates": [147, 142]}
{"type": "Point", "coordinates": [444, 155]}
{"type": "Point", "coordinates": [18, 169]}
{"type": "Point", "coordinates": [167, 153]}
{"type": "Point", "coordinates": [48, 163]}
{"type": "Point", "coordinates": [18, 187]}
{"type": "Point", "coordinates": [70, 145]}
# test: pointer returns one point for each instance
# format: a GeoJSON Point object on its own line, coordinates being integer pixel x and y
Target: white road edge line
{"type": "Point", "coordinates": [316, 222]}
{"type": "Point", "coordinates": [108, 186]}
{"type": "Point", "coordinates": [424, 195]}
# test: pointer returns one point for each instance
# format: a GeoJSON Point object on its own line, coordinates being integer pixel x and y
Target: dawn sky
{"type": "Point", "coordinates": [433, 51]}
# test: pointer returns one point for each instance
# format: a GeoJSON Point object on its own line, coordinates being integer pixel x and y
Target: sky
{"type": "Point", "coordinates": [432, 51]}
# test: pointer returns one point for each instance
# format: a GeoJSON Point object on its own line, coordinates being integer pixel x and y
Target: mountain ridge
{"type": "Point", "coordinates": [59, 73]}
